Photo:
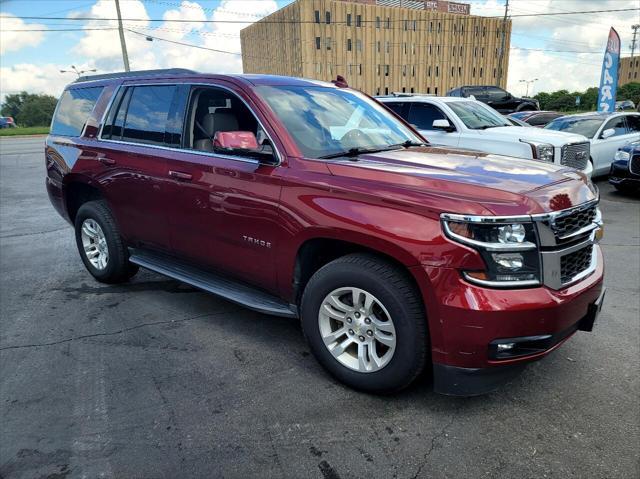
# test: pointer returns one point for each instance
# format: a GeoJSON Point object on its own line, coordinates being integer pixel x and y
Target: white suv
{"type": "Point", "coordinates": [468, 123]}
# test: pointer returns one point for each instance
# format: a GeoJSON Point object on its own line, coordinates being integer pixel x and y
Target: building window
{"type": "Point", "coordinates": [436, 91]}
{"type": "Point", "coordinates": [429, 71]}
{"type": "Point", "coordinates": [635, 74]}
{"type": "Point", "coordinates": [317, 43]}
{"type": "Point", "coordinates": [360, 69]}
{"type": "Point", "coordinates": [462, 29]}
{"type": "Point", "coordinates": [386, 90]}
{"type": "Point", "coordinates": [413, 70]}
{"type": "Point", "coordinates": [482, 52]}
{"type": "Point", "coordinates": [404, 89]}
{"type": "Point", "coordinates": [387, 23]}
{"type": "Point", "coordinates": [459, 71]}
{"type": "Point", "coordinates": [453, 51]}
{"type": "Point", "coordinates": [475, 28]}
{"type": "Point", "coordinates": [386, 70]}
{"type": "Point", "coordinates": [439, 27]}
{"type": "Point", "coordinates": [452, 71]}
{"type": "Point", "coordinates": [406, 25]}
{"type": "Point", "coordinates": [387, 46]}
{"type": "Point", "coordinates": [328, 43]}
{"type": "Point", "coordinates": [475, 52]}
{"type": "Point", "coordinates": [484, 31]}
{"type": "Point", "coordinates": [358, 45]}
{"type": "Point", "coordinates": [404, 70]}
{"type": "Point", "coordinates": [438, 50]}
{"type": "Point", "coordinates": [455, 29]}
{"type": "Point", "coordinates": [404, 47]}
{"type": "Point", "coordinates": [460, 50]}
{"type": "Point", "coordinates": [348, 44]}
{"type": "Point", "coordinates": [327, 17]}
{"type": "Point", "coordinates": [437, 71]}
{"type": "Point", "coordinates": [348, 19]}
{"type": "Point", "coordinates": [480, 72]}
{"type": "Point", "coordinates": [415, 25]}
{"type": "Point", "coordinates": [430, 26]}
{"type": "Point", "coordinates": [430, 49]}
{"type": "Point", "coordinates": [411, 89]}
{"type": "Point", "coordinates": [378, 22]}
{"type": "Point", "coordinates": [494, 73]}
{"type": "Point", "coordinates": [474, 72]}
{"type": "Point", "coordinates": [317, 16]}
{"type": "Point", "coordinates": [358, 20]}
{"type": "Point", "coordinates": [378, 46]}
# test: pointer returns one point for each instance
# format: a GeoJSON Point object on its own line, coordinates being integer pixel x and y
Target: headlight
{"type": "Point", "coordinates": [541, 151]}
{"type": "Point", "coordinates": [621, 156]}
{"type": "Point", "coordinates": [509, 249]}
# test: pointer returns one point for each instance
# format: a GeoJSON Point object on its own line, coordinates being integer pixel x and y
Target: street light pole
{"type": "Point", "coordinates": [76, 71]}
{"type": "Point", "coordinates": [123, 43]}
{"type": "Point", "coordinates": [528, 82]}
{"type": "Point", "coordinates": [503, 41]}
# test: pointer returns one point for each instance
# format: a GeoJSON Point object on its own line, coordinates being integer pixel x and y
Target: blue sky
{"type": "Point", "coordinates": [543, 47]}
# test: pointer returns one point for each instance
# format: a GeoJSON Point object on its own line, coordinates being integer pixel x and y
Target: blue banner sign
{"type": "Point", "coordinates": [609, 76]}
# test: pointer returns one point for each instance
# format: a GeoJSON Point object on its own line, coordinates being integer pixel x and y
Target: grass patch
{"type": "Point", "coordinates": [24, 130]}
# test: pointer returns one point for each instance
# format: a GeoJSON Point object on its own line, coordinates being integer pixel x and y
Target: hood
{"type": "Point", "coordinates": [469, 182]}
{"type": "Point", "coordinates": [553, 137]}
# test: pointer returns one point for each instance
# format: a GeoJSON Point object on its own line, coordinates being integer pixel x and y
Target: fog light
{"type": "Point", "coordinates": [506, 346]}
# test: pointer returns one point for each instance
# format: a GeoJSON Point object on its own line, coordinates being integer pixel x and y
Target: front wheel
{"type": "Point", "coordinates": [100, 245]}
{"type": "Point", "coordinates": [364, 321]}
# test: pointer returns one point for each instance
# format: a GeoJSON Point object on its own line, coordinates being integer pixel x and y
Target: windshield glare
{"type": "Point", "coordinates": [476, 116]}
{"type": "Point", "coordinates": [582, 126]}
{"type": "Point", "coordinates": [325, 121]}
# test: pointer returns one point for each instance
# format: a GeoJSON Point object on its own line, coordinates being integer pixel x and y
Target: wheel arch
{"type": "Point", "coordinates": [79, 189]}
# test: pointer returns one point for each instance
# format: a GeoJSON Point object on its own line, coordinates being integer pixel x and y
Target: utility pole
{"type": "Point", "coordinates": [633, 42]}
{"type": "Point", "coordinates": [123, 43]}
{"type": "Point", "coordinates": [504, 35]}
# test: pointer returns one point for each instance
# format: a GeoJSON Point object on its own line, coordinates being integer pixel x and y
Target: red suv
{"type": "Point", "coordinates": [306, 199]}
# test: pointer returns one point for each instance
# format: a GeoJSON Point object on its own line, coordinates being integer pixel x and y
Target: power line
{"type": "Point", "coordinates": [182, 43]}
{"type": "Point", "coordinates": [182, 20]}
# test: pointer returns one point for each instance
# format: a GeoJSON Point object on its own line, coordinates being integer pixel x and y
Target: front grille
{"type": "Point", "coordinates": [575, 263]}
{"type": "Point", "coordinates": [564, 225]}
{"type": "Point", "coordinates": [576, 155]}
{"type": "Point", "coordinates": [634, 165]}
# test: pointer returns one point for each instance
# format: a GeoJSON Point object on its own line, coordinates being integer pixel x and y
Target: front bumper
{"type": "Point", "coordinates": [620, 176]}
{"type": "Point", "coordinates": [466, 320]}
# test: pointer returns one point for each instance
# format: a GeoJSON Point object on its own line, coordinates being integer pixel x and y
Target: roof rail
{"type": "Point", "coordinates": [106, 76]}
{"type": "Point", "coordinates": [399, 93]}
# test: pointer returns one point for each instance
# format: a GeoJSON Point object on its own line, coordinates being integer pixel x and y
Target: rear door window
{"type": "Point", "coordinates": [633, 122]}
{"type": "Point", "coordinates": [73, 110]}
{"type": "Point", "coordinates": [423, 115]}
{"type": "Point", "coordinates": [140, 115]}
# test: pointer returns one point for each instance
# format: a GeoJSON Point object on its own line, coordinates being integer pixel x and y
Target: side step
{"type": "Point", "coordinates": [226, 288]}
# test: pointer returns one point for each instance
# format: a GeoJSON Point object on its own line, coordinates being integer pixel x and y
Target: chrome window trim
{"type": "Point", "coordinates": [278, 156]}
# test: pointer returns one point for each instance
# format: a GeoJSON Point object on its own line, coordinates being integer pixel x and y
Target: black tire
{"type": "Point", "coordinates": [393, 287]}
{"type": "Point", "coordinates": [118, 268]}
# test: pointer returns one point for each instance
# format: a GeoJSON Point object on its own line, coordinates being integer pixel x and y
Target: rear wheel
{"type": "Point", "coordinates": [365, 324]}
{"type": "Point", "coordinates": [100, 245]}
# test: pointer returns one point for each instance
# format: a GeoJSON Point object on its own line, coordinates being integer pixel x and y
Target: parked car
{"type": "Point", "coordinates": [307, 199]}
{"type": "Point", "coordinates": [7, 122]}
{"type": "Point", "coordinates": [625, 105]}
{"type": "Point", "coordinates": [497, 98]}
{"type": "Point", "coordinates": [467, 123]}
{"type": "Point", "coordinates": [606, 131]}
{"type": "Point", "coordinates": [516, 122]}
{"type": "Point", "coordinates": [537, 118]}
{"type": "Point", "coordinates": [625, 169]}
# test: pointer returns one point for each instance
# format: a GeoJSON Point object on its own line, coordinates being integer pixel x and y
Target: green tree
{"type": "Point", "coordinates": [630, 91]}
{"type": "Point", "coordinates": [29, 109]}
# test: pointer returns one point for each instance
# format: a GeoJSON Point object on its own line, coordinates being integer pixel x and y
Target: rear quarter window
{"type": "Point", "coordinates": [73, 110]}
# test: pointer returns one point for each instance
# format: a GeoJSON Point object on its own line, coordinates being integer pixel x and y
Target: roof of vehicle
{"type": "Point", "coordinates": [596, 115]}
{"type": "Point", "coordinates": [423, 98]}
{"type": "Point", "coordinates": [254, 79]}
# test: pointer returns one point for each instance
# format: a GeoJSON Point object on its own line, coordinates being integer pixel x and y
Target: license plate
{"type": "Point", "coordinates": [586, 323]}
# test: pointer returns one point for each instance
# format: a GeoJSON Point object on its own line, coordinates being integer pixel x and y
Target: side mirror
{"type": "Point", "coordinates": [608, 133]}
{"type": "Point", "coordinates": [233, 140]}
{"type": "Point", "coordinates": [442, 124]}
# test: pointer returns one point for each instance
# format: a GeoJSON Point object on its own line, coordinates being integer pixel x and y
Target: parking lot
{"type": "Point", "coordinates": [156, 379]}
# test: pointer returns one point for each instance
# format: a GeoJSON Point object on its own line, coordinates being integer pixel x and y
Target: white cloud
{"type": "Point", "coordinates": [35, 78]}
{"type": "Point", "coordinates": [12, 41]}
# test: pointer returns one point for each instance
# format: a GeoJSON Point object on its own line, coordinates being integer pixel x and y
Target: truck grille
{"type": "Point", "coordinates": [634, 165]}
{"type": "Point", "coordinates": [575, 263]}
{"type": "Point", "coordinates": [576, 155]}
{"type": "Point", "coordinates": [564, 225]}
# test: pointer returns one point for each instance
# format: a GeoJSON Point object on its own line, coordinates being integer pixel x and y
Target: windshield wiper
{"type": "Point", "coordinates": [486, 127]}
{"type": "Point", "coordinates": [353, 152]}
{"type": "Point", "coordinates": [408, 144]}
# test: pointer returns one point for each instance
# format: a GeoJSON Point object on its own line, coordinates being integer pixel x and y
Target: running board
{"type": "Point", "coordinates": [234, 291]}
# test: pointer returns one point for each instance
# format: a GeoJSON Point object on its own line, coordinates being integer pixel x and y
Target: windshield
{"type": "Point", "coordinates": [477, 116]}
{"type": "Point", "coordinates": [326, 121]}
{"type": "Point", "coordinates": [582, 126]}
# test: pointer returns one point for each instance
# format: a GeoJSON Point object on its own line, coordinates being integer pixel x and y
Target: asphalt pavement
{"type": "Point", "coordinates": [155, 379]}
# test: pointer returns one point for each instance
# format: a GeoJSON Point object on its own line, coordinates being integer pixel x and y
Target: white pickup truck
{"type": "Point", "coordinates": [468, 123]}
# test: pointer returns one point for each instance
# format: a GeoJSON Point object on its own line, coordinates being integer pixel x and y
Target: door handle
{"type": "Point", "coordinates": [179, 175]}
{"type": "Point", "coordinates": [106, 161]}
